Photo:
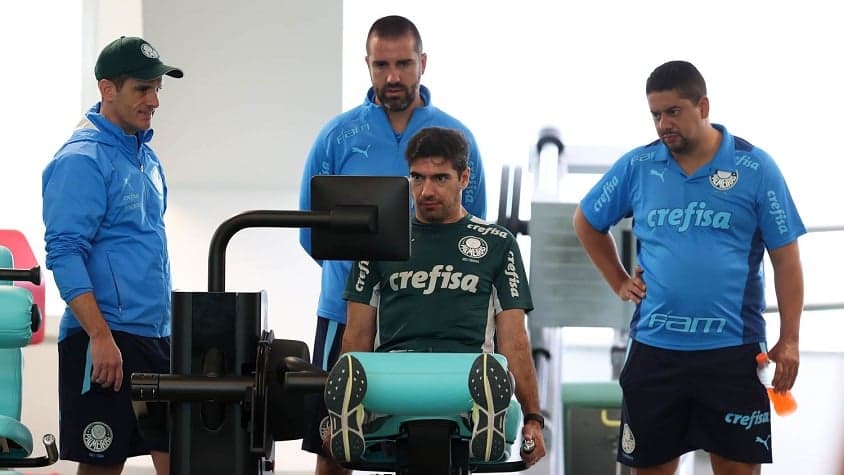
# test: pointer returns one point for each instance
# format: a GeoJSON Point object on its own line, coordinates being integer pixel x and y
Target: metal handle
{"type": "Point", "coordinates": [605, 420]}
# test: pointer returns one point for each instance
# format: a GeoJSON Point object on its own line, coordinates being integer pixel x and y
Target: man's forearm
{"type": "Point", "coordinates": [359, 334]}
{"type": "Point", "coordinates": [520, 364]}
{"type": "Point", "coordinates": [355, 341]}
{"type": "Point", "coordinates": [602, 251]}
{"type": "Point", "coordinates": [87, 312]}
{"type": "Point", "coordinates": [788, 283]}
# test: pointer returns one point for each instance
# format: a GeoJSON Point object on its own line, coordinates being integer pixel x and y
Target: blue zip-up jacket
{"type": "Point", "coordinates": [361, 141]}
{"type": "Point", "coordinates": [104, 200]}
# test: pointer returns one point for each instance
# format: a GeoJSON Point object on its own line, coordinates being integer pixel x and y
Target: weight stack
{"type": "Point", "coordinates": [214, 334]}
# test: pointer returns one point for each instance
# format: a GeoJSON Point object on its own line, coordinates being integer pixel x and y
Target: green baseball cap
{"type": "Point", "coordinates": [132, 57]}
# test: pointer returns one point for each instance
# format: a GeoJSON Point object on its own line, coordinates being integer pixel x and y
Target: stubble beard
{"type": "Point", "coordinates": [439, 215]}
{"type": "Point", "coordinates": [397, 104]}
{"type": "Point", "coordinates": [682, 146]}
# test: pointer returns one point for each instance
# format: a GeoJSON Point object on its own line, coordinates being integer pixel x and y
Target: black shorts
{"type": "Point", "coordinates": [97, 425]}
{"type": "Point", "coordinates": [678, 401]}
{"type": "Point", "coordinates": [327, 343]}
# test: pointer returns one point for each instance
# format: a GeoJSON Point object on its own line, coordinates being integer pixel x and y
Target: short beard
{"type": "Point", "coordinates": [399, 104]}
{"type": "Point", "coordinates": [682, 147]}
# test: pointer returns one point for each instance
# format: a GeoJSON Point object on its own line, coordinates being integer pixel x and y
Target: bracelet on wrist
{"type": "Point", "coordinates": [532, 416]}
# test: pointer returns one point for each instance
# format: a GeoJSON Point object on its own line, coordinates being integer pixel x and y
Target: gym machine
{"type": "Point", "coordinates": [234, 389]}
{"type": "Point", "coordinates": [567, 290]}
{"type": "Point", "coordinates": [20, 318]}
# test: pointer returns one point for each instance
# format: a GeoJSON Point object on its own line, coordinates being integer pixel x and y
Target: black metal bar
{"type": "Point", "coordinates": [29, 275]}
{"type": "Point", "coordinates": [52, 456]}
{"type": "Point", "coordinates": [627, 252]}
{"type": "Point", "coordinates": [550, 136]}
{"type": "Point", "coordinates": [498, 467]}
{"type": "Point", "coordinates": [346, 218]}
{"type": "Point", "coordinates": [515, 203]}
{"type": "Point", "coordinates": [305, 381]}
{"type": "Point", "coordinates": [253, 219]}
{"type": "Point", "coordinates": [429, 446]}
{"type": "Point", "coordinates": [504, 196]}
{"type": "Point", "coordinates": [492, 467]}
{"type": "Point", "coordinates": [173, 387]}
{"type": "Point", "coordinates": [518, 225]}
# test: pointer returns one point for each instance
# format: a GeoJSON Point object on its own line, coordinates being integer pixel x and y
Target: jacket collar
{"type": "Point", "coordinates": [424, 92]}
{"type": "Point", "coordinates": [94, 119]}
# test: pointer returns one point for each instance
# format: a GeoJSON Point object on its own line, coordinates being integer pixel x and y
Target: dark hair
{"type": "Point", "coordinates": [680, 76]}
{"type": "Point", "coordinates": [119, 81]}
{"type": "Point", "coordinates": [430, 142]}
{"type": "Point", "coordinates": [394, 26]}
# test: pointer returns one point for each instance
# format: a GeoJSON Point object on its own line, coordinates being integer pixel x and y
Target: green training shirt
{"type": "Point", "coordinates": [445, 298]}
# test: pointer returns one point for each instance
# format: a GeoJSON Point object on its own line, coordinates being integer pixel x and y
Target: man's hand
{"type": "Point", "coordinates": [786, 355]}
{"type": "Point", "coordinates": [531, 431]}
{"type": "Point", "coordinates": [107, 362]}
{"type": "Point", "coordinates": [634, 288]}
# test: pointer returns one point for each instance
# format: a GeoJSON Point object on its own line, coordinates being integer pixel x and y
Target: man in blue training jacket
{"type": "Point", "coordinates": [371, 140]}
{"type": "Point", "coordinates": [104, 200]}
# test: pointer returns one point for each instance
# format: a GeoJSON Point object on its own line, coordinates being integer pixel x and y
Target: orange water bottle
{"type": "Point", "coordinates": [784, 403]}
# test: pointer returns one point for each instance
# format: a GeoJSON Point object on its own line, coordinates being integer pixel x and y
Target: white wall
{"type": "Point", "coordinates": [41, 84]}
{"type": "Point", "coordinates": [234, 133]}
{"type": "Point", "coordinates": [260, 80]}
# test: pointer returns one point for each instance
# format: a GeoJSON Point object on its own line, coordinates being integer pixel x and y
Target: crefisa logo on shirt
{"type": "Point", "coordinates": [723, 180]}
{"type": "Point", "coordinates": [472, 247]}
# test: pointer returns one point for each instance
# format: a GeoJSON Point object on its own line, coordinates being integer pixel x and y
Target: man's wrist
{"type": "Point", "coordinates": [536, 417]}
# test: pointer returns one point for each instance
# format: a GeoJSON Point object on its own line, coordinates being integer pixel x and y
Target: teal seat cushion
{"type": "Point", "coordinates": [11, 365]}
{"type": "Point", "coordinates": [15, 333]}
{"type": "Point", "coordinates": [15, 316]}
{"type": "Point", "coordinates": [418, 384]}
{"type": "Point", "coordinates": [17, 437]}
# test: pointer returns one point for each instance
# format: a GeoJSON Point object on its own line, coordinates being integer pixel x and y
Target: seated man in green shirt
{"type": "Point", "coordinates": [463, 286]}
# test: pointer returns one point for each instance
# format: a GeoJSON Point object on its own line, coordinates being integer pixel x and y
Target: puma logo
{"type": "Point", "coordinates": [659, 174]}
{"type": "Point", "coordinates": [363, 151]}
{"type": "Point", "coordinates": [764, 441]}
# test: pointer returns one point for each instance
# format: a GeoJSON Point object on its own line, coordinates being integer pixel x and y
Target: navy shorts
{"type": "Point", "coordinates": [97, 425]}
{"type": "Point", "coordinates": [327, 343]}
{"type": "Point", "coordinates": [678, 401]}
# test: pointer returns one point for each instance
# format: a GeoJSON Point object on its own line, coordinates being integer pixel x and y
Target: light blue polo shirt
{"type": "Point", "coordinates": [701, 240]}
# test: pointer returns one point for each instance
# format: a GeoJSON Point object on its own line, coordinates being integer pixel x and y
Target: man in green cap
{"type": "Point", "coordinates": [104, 197]}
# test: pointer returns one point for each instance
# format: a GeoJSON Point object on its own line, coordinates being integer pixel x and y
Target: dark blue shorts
{"type": "Point", "coordinates": [327, 343]}
{"type": "Point", "coordinates": [678, 401]}
{"type": "Point", "coordinates": [97, 425]}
